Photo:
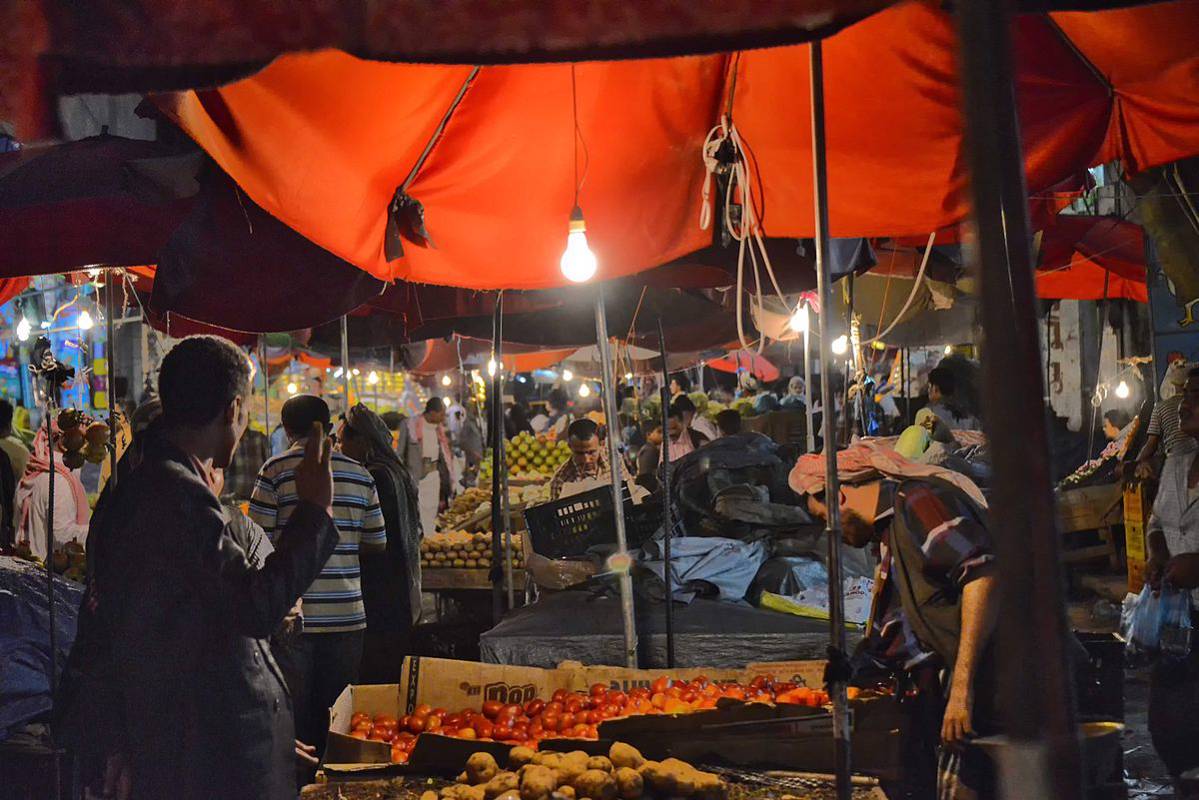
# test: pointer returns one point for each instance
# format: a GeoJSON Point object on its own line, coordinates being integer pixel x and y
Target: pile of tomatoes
{"type": "Point", "coordinates": [570, 714]}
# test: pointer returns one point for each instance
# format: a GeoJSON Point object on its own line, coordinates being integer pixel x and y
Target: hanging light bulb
{"type": "Point", "coordinates": [584, 390]}
{"type": "Point", "coordinates": [628, 376]}
{"type": "Point", "coordinates": [372, 378]}
{"type": "Point", "coordinates": [578, 262]}
{"type": "Point", "coordinates": [446, 380]}
{"type": "Point", "coordinates": [840, 345]}
{"type": "Point", "coordinates": [567, 375]}
{"type": "Point", "coordinates": [799, 320]}
{"type": "Point", "coordinates": [449, 401]}
{"type": "Point", "coordinates": [85, 321]}
{"type": "Point", "coordinates": [24, 329]}
{"type": "Point", "coordinates": [491, 367]}
{"type": "Point", "coordinates": [1122, 390]}
{"type": "Point", "coordinates": [948, 349]}
{"type": "Point", "coordinates": [292, 388]}
{"type": "Point", "coordinates": [355, 372]}
{"type": "Point", "coordinates": [337, 372]}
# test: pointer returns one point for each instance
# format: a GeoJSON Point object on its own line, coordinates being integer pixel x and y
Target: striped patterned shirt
{"type": "Point", "coordinates": [333, 602]}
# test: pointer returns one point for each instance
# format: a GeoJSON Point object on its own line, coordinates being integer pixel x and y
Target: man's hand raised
{"type": "Point", "coordinates": [314, 475]}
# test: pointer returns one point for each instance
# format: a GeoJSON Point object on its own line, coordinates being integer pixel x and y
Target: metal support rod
{"type": "Point", "coordinates": [667, 523]}
{"type": "Point", "coordinates": [807, 383]}
{"type": "Point", "coordinates": [266, 385]}
{"type": "Point", "coordinates": [345, 360]}
{"type": "Point", "coordinates": [832, 488]}
{"type": "Point", "coordinates": [49, 423]}
{"type": "Point", "coordinates": [497, 461]}
{"type": "Point", "coordinates": [1036, 689]}
{"type": "Point", "coordinates": [110, 353]}
{"type": "Point", "coordinates": [620, 562]}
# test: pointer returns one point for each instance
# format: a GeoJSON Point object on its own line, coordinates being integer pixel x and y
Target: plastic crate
{"type": "Point", "coordinates": [569, 527]}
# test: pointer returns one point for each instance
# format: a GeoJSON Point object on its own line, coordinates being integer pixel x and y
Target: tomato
{"type": "Point", "coordinates": [380, 736]}
{"type": "Point", "coordinates": [398, 756]}
{"type": "Point", "coordinates": [405, 736]}
{"type": "Point", "coordinates": [492, 708]}
{"type": "Point", "coordinates": [484, 729]}
{"type": "Point", "coordinates": [592, 717]}
{"type": "Point", "coordinates": [550, 722]}
{"type": "Point", "coordinates": [567, 721]}
{"type": "Point", "coordinates": [735, 692]}
{"type": "Point", "coordinates": [521, 732]}
{"type": "Point", "coordinates": [439, 712]}
{"type": "Point", "coordinates": [708, 702]}
{"type": "Point", "coordinates": [700, 681]}
{"type": "Point", "coordinates": [417, 724]}
{"type": "Point", "coordinates": [592, 732]}
{"type": "Point", "coordinates": [616, 698]}
{"type": "Point", "coordinates": [641, 692]}
{"type": "Point", "coordinates": [452, 721]}
{"type": "Point", "coordinates": [534, 707]}
{"type": "Point", "coordinates": [360, 733]}
{"type": "Point", "coordinates": [579, 731]}
{"type": "Point", "coordinates": [598, 689]}
{"type": "Point", "coordinates": [572, 704]}
{"type": "Point", "coordinates": [358, 718]}
{"type": "Point", "coordinates": [433, 722]}
{"type": "Point", "coordinates": [560, 695]}
{"type": "Point", "coordinates": [553, 707]}
{"type": "Point", "coordinates": [467, 733]}
{"type": "Point", "coordinates": [510, 711]}
{"type": "Point", "coordinates": [689, 696]}
{"type": "Point", "coordinates": [658, 700]}
{"type": "Point", "coordinates": [660, 685]}
{"type": "Point", "coordinates": [423, 710]}
{"type": "Point", "coordinates": [385, 720]}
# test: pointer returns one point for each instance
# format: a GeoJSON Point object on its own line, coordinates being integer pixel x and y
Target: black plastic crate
{"type": "Point", "coordinates": [569, 527]}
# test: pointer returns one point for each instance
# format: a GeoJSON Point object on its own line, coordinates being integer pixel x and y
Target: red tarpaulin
{"type": "Point", "coordinates": [498, 186]}
{"type": "Point", "coordinates": [748, 361]}
{"type": "Point", "coordinates": [1080, 253]}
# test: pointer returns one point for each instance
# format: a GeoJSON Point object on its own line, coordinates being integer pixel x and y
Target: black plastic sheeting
{"type": "Point", "coordinates": [581, 626]}
{"type": "Point", "coordinates": [25, 639]}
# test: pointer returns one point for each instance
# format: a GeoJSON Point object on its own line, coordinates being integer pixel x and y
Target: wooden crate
{"type": "Point", "coordinates": [1085, 510]}
{"type": "Point", "coordinates": [450, 579]}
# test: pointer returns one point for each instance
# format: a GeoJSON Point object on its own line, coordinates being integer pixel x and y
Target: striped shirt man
{"type": "Point", "coordinates": [333, 603]}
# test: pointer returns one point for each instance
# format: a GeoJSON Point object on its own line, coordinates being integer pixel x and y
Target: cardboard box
{"type": "Point", "coordinates": [783, 736]}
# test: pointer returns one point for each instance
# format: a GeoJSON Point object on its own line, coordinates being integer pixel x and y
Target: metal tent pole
{"type": "Point", "coordinates": [345, 360]}
{"type": "Point", "coordinates": [620, 563]}
{"type": "Point", "coordinates": [497, 462]}
{"type": "Point", "coordinates": [266, 385]}
{"type": "Point", "coordinates": [1035, 681]}
{"type": "Point", "coordinates": [832, 490]}
{"type": "Point", "coordinates": [807, 384]}
{"type": "Point", "coordinates": [667, 523]}
{"type": "Point", "coordinates": [110, 356]}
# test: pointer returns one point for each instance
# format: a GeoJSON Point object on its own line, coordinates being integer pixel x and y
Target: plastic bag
{"type": "Point", "coordinates": [1156, 624]}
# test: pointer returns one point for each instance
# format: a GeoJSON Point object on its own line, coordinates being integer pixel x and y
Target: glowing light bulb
{"type": "Point", "coordinates": [567, 375]}
{"type": "Point", "coordinates": [491, 367]}
{"type": "Point", "coordinates": [628, 376]}
{"type": "Point", "coordinates": [1122, 390]}
{"type": "Point", "coordinates": [448, 401]}
{"type": "Point", "coordinates": [292, 388]}
{"type": "Point", "coordinates": [85, 321]}
{"type": "Point", "coordinates": [372, 378]}
{"type": "Point", "coordinates": [799, 320]}
{"type": "Point", "coordinates": [840, 345]}
{"type": "Point", "coordinates": [578, 262]}
{"type": "Point", "coordinates": [584, 390]}
{"type": "Point", "coordinates": [948, 349]}
{"type": "Point", "coordinates": [24, 329]}
{"type": "Point", "coordinates": [355, 372]}
{"type": "Point", "coordinates": [877, 345]}
{"type": "Point", "coordinates": [337, 373]}
{"type": "Point", "coordinates": [446, 380]}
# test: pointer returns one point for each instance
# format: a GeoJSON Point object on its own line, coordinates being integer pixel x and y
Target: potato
{"type": "Point", "coordinates": [512, 795]}
{"type": "Point", "coordinates": [519, 756]}
{"type": "Point", "coordinates": [629, 784]}
{"type": "Point", "coordinates": [429, 795]}
{"type": "Point", "coordinates": [658, 777]}
{"type": "Point", "coordinates": [547, 759]}
{"type": "Point", "coordinates": [480, 768]}
{"type": "Point", "coordinates": [502, 782]}
{"type": "Point", "coordinates": [708, 786]}
{"type": "Point", "coordinates": [625, 755]}
{"type": "Point", "coordinates": [461, 791]}
{"type": "Point", "coordinates": [566, 792]}
{"type": "Point", "coordinates": [596, 784]}
{"type": "Point", "coordinates": [599, 762]}
{"type": "Point", "coordinates": [537, 782]}
{"type": "Point", "coordinates": [571, 766]}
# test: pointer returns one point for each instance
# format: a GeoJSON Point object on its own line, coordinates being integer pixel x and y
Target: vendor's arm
{"type": "Point", "coordinates": [980, 608]}
{"type": "Point", "coordinates": [1153, 436]}
{"type": "Point", "coordinates": [374, 528]}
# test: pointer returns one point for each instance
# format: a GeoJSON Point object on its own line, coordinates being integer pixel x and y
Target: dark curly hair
{"type": "Point", "coordinates": [199, 378]}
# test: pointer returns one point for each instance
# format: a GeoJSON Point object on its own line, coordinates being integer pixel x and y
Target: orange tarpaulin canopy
{"type": "Point", "coordinates": [323, 140]}
{"type": "Point", "coordinates": [1080, 254]}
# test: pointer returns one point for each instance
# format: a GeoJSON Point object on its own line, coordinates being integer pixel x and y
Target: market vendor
{"type": "Point", "coordinates": [425, 449]}
{"type": "Point", "coordinates": [171, 675]}
{"type": "Point", "coordinates": [1164, 433]}
{"type": "Point", "coordinates": [1173, 540]}
{"type": "Point", "coordinates": [588, 464]}
{"type": "Point", "coordinates": [934, 608]}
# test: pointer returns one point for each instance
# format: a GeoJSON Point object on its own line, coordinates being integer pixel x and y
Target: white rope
{"type": "Point", "coordinates": [749, 233]}
{"type": "Point", "coordinates": [911, 295]}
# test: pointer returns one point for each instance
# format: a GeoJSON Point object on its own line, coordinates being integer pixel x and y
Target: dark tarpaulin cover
{"type": "Point", "coordinates": [25, 639]}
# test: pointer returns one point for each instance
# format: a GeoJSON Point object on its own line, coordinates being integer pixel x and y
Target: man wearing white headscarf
{"type": "Point", "coordinates": [1164, 430]}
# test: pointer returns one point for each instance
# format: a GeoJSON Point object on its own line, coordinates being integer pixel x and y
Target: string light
{"type": "Point", "coordinates": [446, 380]}
{"type": "Point", "coordinates": [799, 320]}
{"type": "Point", "coordinates": [584, 390]}
{"type": "Point", "coordinates": [567, 375]}
{"type": "Point", "coordinates": [24, 328]}
{"type": "Point", "coordinates": [355, 372]}
{"type": "Point", "coordinates": [337, 372]}
{"type": "Point", "coordinates": [1122, 390]}
{"type": "Point", "coordinates": [372, 378]}
{"type": "Point", "coordinates": [840, 345]}
{"type": "Point", "coordinates": [292, 388]}
{"type": "Point", "coordinates": [85, 321]}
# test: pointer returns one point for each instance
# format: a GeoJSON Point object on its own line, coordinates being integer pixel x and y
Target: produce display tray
{"type": "Point", "coordinates": [441, 579]}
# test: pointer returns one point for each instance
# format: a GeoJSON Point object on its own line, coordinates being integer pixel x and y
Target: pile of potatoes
{"type": "Point", "coordinates": [621, 775]}
{"type": "Point", "coordinates": [463, 550]}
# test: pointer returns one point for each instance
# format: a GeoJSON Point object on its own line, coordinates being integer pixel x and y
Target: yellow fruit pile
{"type": "Point", "coordinates": [462, 550]}
{"type": "Point", "coordinates": [525, 453]}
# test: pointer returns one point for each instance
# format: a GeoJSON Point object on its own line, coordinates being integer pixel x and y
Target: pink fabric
{"type": "Point", "coordinates": [39, 462]}
{"type": "Point", "coordinates": [868, 459]}
{"type": "Point", "coordinates": [681, 446]}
